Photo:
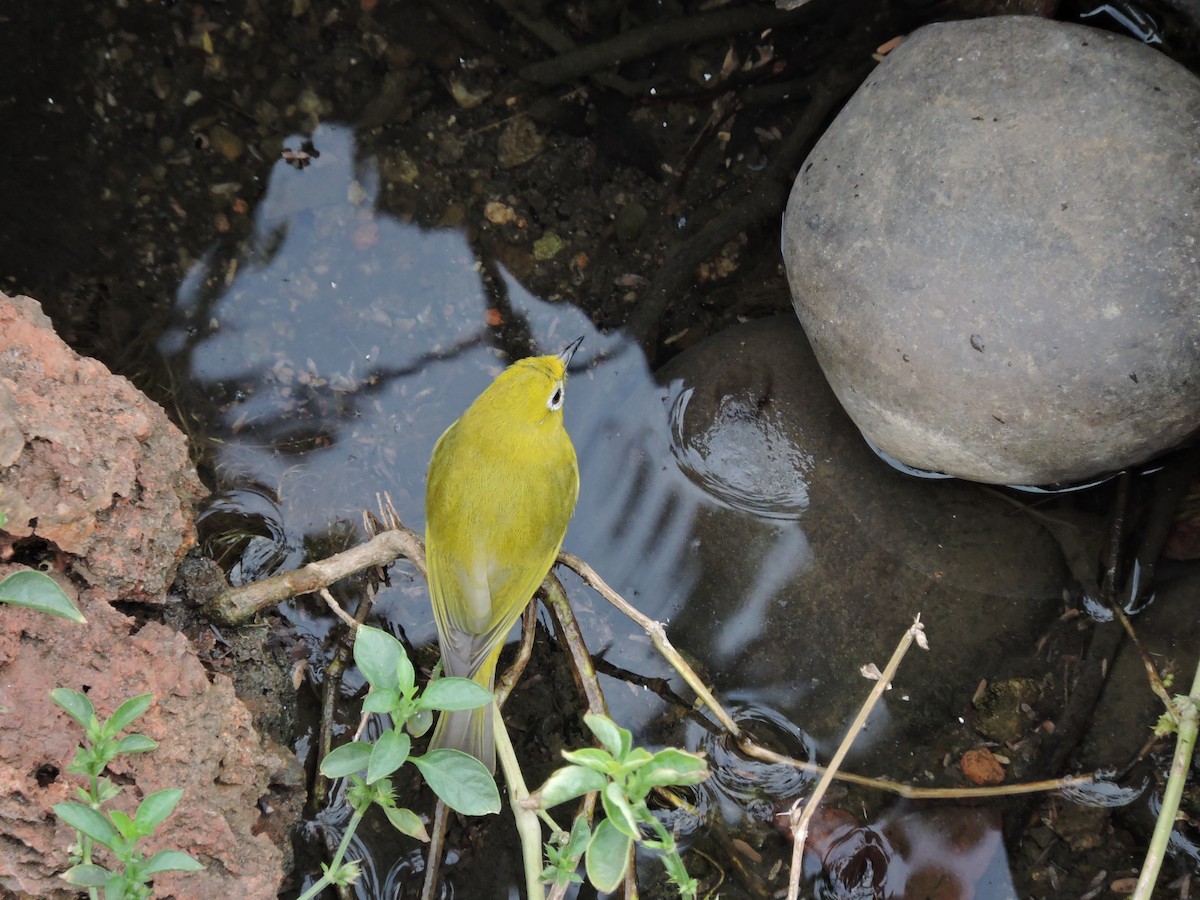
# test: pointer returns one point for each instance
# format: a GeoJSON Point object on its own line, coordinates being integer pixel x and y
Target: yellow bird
{"type": "Point", "coordinates": [502, 486]}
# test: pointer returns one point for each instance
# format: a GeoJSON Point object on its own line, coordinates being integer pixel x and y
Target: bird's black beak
{"type": "Point", "coordinates": [569, 351]}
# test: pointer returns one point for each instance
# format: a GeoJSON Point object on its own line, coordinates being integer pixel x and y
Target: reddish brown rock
{"type": "Point", "coordinates": [207, 747]}
{"type": "Point", "coordinates": [88, 463]}
{"type": "Point", "coordinates": [97, 472]}
{"type": "Point", "coordinates": [980, 766]}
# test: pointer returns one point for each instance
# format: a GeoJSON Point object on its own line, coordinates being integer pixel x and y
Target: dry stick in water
{"type": "Point", "coordinates": [658, 635]}
{"type": "Point", "coordinates": [800, 820]}
{"type": "Point", "coordinates": [554, 598]}
{"type": "Point", "coordinates": [919, 793]}
{"type": "Point", "coordinates": [241, 603]}
{"type": "Point", "coordinates": [238, 604]}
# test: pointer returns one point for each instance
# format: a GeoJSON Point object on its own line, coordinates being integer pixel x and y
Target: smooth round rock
{"type": "Point", "coordinates": [993, 250]}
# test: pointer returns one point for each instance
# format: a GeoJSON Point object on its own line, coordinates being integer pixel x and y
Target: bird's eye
{"type": "Point", "coordinates": [556, 399]}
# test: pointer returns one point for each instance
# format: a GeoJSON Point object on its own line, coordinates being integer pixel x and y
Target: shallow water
{"type": "Point", "coordinates": [331, 363]}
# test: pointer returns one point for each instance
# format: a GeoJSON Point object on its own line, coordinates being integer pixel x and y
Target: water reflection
{"type": "Point", "coordinates": [326, 353]}
{"type": "Point", "coordinates": [913, 850]}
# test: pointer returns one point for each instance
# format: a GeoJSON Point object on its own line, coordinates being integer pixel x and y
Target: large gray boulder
{"type": "Point", "coordinates": [993, 250]}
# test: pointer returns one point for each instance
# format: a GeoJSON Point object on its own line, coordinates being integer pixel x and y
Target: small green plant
{"type": "Point", "coordinates": [130, 879]}
{"type": "Point", "coordinates": [462, 782]}
{"type": "Point", "coordinates": [37, 590]}
{"type": "Point", "coordinates": [624, 776]}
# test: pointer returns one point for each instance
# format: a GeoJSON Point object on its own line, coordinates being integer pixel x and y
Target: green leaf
{"type": "Point", "coordinates": [88, 822]}
{"type": "Point", "coordinates": [406, 676]}
{"type": "Point", "coordinates": [581, 833]}
{"type": "Point", "coordinates": [381, 700]}
{"type": "Point", "coordinates": [377, 654]}
{"type": "Point", "coordinates": [616, 740]}
{"type": "Point", "coordinates": [564, 859]}
{"type": "Point", "coordinates": [636, 758]}
{"type": "Point", "coordinates": [118, 887]}
{"type": "Point", "coordinates": [76, 705]}
{"type": "Point", "coordinates": [124, 715]}
{"type": "Point", "coordinates": [346, 760]}
{"type": "Point", "coordinates": [156, 807]}
{"type": "Point", "coordinates": [419, 722]}
{"type": "Point", "coordinates": [1168, 724]}
{"type": "Point", "coordinates": [618, 810]}
{"type": "Point", "coordinates": [454, 693]}
{"type": "Point", "coordinates": [673, 766]}
{"type": "Point", "coordinates": [461, 781]}
{"type": "Point", "coordinates": [86, 875]}
{"type": "Point", "coordinates": [134, 743]}
{"type": "Point", "coordinates": [389, 754]}
{"type": "Point", "coordinates": [171, 861]}
{"type": "Point", "coordinates": [106, 791]}
{"type": "Point", "coordinates": [125, 825]}
{"type": "Point", "coordinates": [407, 822]}
{"type": "Point", "coordinates": [607, 857]}
{"type": "Point", "coordinates": [592, 757]}
{"type": "Point", "coordinates": [568, 783]}
{"type": "Point", "coordinates": [37, 590]}
{"type": "Point", "coordinates": [344, 875]}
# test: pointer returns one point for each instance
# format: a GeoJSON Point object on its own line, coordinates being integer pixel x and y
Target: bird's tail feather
{"type": "Point", "coordinates": [468, 730]}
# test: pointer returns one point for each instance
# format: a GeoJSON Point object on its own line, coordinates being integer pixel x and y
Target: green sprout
{"type": "Point", "coordinates": [37, 590]}
{"type": "Point", "coordinates": [462, 782]}
{"type": "Point", "coordinates": [623, 776]}
{"type": "Point", "coordinates": [113, 829]}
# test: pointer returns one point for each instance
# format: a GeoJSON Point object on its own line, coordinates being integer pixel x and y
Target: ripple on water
{"type": "Point", "coordinates": [752, 782]}
{"type": "Point", "coordinates": [741, 456]}
{"type": "Point", "coordinates": [1104, 791]}
{"type": "Point", "coordinates": [242, 528]}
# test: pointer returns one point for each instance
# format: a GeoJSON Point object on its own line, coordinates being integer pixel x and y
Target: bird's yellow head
{"type": "Point", "coordinates": [531, 391]}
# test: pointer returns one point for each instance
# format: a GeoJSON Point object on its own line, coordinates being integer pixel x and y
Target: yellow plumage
{"type": "Point", "coordinates": [503, 482]}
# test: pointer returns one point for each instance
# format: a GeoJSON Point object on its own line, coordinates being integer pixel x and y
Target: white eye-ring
{"type": "Point", "coordinates": [556, 399]}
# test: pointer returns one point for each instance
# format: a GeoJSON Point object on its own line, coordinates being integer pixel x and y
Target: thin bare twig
{"type": "Point", "coordinates": [567, 628]}
{"type": "Point", "coordinates": [918, 793]}
{"type": "Point", "coordinates": [514, 672]}
{"type": "Point", "coordinates": [800, 819]}
{"type": "Point", "coordinates": [238, 604]}
{"type": "Point", "coordinates": [336, 609]}
{"type": "Point", "coordinates": [331, 690]}
{"type": "Point", "coordinates": [1156, 682]}
{"type": "Point", "coordinates": [433, 859]}
{"type": "Point", "coordinates": [658, 635]}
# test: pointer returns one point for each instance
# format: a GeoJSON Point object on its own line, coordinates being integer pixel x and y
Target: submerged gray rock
{"type": "Point", "coordinates": [993, 250]}
{"type": "Point", "coordinates": [812, 555]}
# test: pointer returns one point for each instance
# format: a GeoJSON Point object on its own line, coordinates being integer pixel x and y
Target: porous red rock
{"type": "Point", "coordinates": [97, 488]}
{"type": "Point", "coordinates": [88, 463]}
{"type": "Point", "coordinates": [207, 747]}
